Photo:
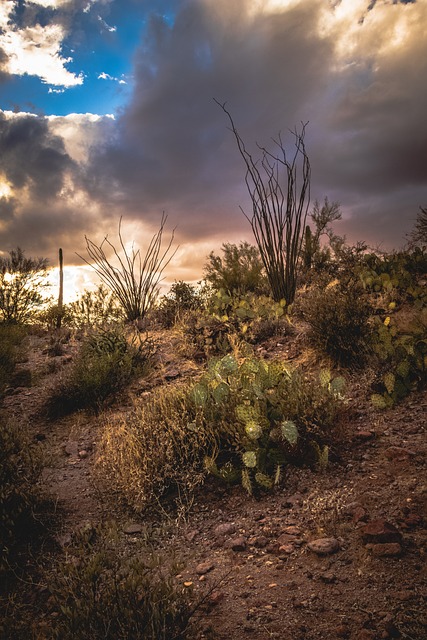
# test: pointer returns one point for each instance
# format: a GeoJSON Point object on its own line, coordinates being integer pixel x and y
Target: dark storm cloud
{"type": "Point", "coordinates": [30, 156]}
{"type": "Point", "coordinates": [3, 66]}
{"type": "Point", "coordinates": [174, 149]}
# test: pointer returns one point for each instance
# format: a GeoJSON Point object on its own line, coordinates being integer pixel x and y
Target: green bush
{"type": "Point", "coordinates": [107, 362]}
{"type": "Point", "coordinates": [402, 352]}
{"type": "Point", "coordinates": [11, 349]}
{"type": "Point", "coordinates": [182, 297]}
{"type": "Point", "coordinates": [338, 317]}
{"type": "Point", "coordinates": [101, 594]}
{"type": "Point", "coordinates": [19, 470]}
{"type": "Point", "coordinates": [265, 415]}
{"type": "Point", "coordinates": [240, 270]}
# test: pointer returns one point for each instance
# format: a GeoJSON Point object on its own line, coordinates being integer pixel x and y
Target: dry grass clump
{"type": "Point", "coordinates": [156, 451]}
{"type": "Point", "coordinates": [338, 318]}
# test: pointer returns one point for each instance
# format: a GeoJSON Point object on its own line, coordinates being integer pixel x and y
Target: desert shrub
{"type": "Point", "coordinates": [265, 414]}
{"type": "Point", "coordinates": [338, 318]}
{"type": "Point", "coordinates": [399, 276]}
{"type": "Point", "coordinates": [11, 349]}
{"type": "Point", "coordinates": [19, 470]}
{"type": "Point", "coordinates": [155, 451]}
{"type": "Point", "coordinates": [21, 282]}
{"type": "Point", "coordinates": [103, 594]}
{"type": "Point", "coordinates": [240, 270]}
{"type": "Point", "coordinates": [108, 361]}
{"type": "Point", "coordinates": [182, 297]}
{"type": "Point", "coordinates": [228, 319]}
{"type": "Point", "coordinates": [93, 309]}
{"type": "Point", "coordinates": [401, 348]}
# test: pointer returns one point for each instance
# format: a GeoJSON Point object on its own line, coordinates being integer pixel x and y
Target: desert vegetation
{"type": "Point", "coordinates": [266, 380]}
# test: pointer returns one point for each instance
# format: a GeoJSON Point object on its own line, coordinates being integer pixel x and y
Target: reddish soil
{"type": "Point", "coordinates": [252, 559]}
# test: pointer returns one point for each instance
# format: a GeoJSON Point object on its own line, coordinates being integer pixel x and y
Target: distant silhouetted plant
{"type": "Point", "coordinates": [279, 188]}
{"type": "Point", "coordinates": [134, 281]}
{"type": "Point", "coordinates": [419, 233]}
{"type": "Point", "coordinates": [94, 308]}
{"type": "Point", "coordinates": [21, 281]}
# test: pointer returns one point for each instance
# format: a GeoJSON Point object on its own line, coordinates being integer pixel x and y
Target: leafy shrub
{"type": "Point", "coordinates": [229, 318]}
{"type": "Point", "coordinates": [265, 414]}
{"type": "Point", "coordinates": [338, 318]}
{"type": "Point", "coordinates": [156, 451]}
{"type": "Point", "coordinates": [107, 362]}
{"type": "Point", "coordinates": [19, 470]}
{"type": "Point", "coordinates": [182, 297]}
{"type": "Point", "coordinates": [240, 270]}
{"type": "Point", "coordinates": [399, 275]}
{"type": "Point", "coordinates": [11, 337]}
{"type": "Point", "coordinates": [103, 594]}
{"type": "Point", "coordinates": [402, 352]}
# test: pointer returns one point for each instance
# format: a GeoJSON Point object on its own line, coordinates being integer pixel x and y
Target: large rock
{"type": "Point", "coordinates": [380, 531]}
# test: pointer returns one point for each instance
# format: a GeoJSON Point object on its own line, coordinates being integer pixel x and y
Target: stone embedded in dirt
{"type": "Point", "coordinates": [172, 374]}
{"type": "Point", "coordinates": [286, 548]}
{"type": "Point", "coordinates": [324, 546]}
{"type": "Point", "coordinates": [216, 597]}
{"type": "Point", "coordinates": [328, 577]}
{"type": "Point", "coordinates": [292, 530]}
{"type": "Point", "coordinates": [379, 531]}
{"type": "Point", "coordinates": [293, 501]}
{"type": "Point", "coordinates": [398, 454]}
{"type": "Point", "coordinates": [133, 528]}
{"type": "Point", "coordinates": [70, 448]}
{"type": "Point", "coordinates": [190, 536]}
{"type": "Point", "coordinates": [412, 520]}
{"type": "Point", "coordinates": [260, 542]}
{"type": "Point", "coordinates": [83, 453]}
{"type": "Point", "coordinates": [364, 435]}
{"type": "Point", "coordinates": [273, 547]}
{"type": "Point", "coordinates": [225, 529]}
{"type": "Point", "coordinates": [204, 567]}
{"type": "Point", "coordinates": [236, 544]}
{"type": "Point", "coordinates": [385, 549]}
{"type": "Point", "coordinates": [286, 538]}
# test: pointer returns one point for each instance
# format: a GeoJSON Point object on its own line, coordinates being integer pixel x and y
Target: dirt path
{"type": "Point", "coordinates": [365, 579]}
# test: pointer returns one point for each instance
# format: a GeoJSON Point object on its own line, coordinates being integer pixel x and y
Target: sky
{"type": "Point", "coordinates": [107, 110]}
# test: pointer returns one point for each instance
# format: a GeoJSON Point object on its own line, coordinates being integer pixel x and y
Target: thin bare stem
{"type": "Point", "coordinates": [134, 281]}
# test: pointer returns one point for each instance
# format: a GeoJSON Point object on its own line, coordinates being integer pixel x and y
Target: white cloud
{"type": "Point", "coordinates": [36, 50]}
{"type": "Point", "coordinates": [106, 76]}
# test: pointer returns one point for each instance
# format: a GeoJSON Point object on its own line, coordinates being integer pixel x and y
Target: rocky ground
{"type": "Point", "coordinates": [332, 554]}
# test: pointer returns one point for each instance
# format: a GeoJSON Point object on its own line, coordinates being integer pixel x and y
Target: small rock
{"type": "Point", "coordinates": [172, 374]}
{"type": "Point", "coordinates": [133, 528]}
{"type": "Point", "coordinates": [328, 577]}
{"type": "Point", "coordinates": [216, 597]}
{"type": "Point", "coordinates": [359, 514]}
{"type": "Point", "coordinates": [293, 530]}
{"type": "Point", "coordinates": [204, 567]}
{"type": "Point", "coordinates": [224, 529]}
{"type": "Point", "coordinates": [324, 546]}
{"type": "Point", "coordinates": [398, 454]}
{"type": "Point", "coordinates": [191, 535]}
{"type": "Point", "coordinates": [261, 542]}
{"type": "Point", "coordinates": [286, 538]}
{"type": "Point", "coordinates": [286, 548]}
{"type": "Point", "coordinates": [293, 500]}
{"type": "Point", "coordinates": [379, 531]}
{"type": "Point", "coordinates": [236, 544]}
{"type": "Point", "coordinates": [83, 454]}
{"type": "Point", "coordinates": [364, 435]}
{"type": "Point", "coordinates": [385, 550]}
